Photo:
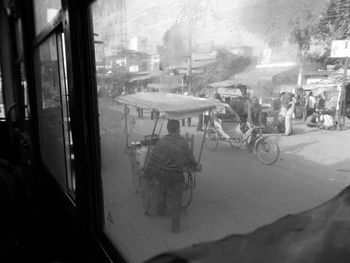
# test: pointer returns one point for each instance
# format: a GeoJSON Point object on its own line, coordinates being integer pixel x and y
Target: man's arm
{"type": "Point", "coordinates": [190, 159]}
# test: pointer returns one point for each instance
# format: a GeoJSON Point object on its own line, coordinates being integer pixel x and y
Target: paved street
{"type": "Point", "coordinates": [234, 193]}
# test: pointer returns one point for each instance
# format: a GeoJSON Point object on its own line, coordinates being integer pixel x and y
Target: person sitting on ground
{"type": "Point", "coordinates": [326, 122]}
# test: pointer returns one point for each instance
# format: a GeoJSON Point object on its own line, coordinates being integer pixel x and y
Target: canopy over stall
{"type": "Point", "coordinates": [173, 106]}
{"type": "Point", "coordinates": [331, 88]}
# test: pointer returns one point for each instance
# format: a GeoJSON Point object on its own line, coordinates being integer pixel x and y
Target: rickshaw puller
{"type": "Point", "coordinates": [170, 156]}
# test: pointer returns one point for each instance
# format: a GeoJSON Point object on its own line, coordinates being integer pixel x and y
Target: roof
{"type": "Point", "coordinates": [289, 88]}
{"type": "Point", "coordinates": [256, 75]}
{"type": "Point", "coordinates": [223, 84]}
{"type": "Point", "coordinates": [173, 106]}
{"type": "Point", "coordinates": [144, 75]}
{"type": "Point", "coordinates": [198, 63]}
{"type": "Point", "coordinates": [140, 78]}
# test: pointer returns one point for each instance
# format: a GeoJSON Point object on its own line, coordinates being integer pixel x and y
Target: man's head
{"type": "Point", "coordinates": [173, 126]}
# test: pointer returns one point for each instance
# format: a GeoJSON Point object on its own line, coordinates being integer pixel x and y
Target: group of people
{"type": "Point", "coordinates": [316, 114]}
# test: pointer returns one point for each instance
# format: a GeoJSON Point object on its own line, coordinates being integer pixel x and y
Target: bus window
{"type": "Point", "coordinates": [54, 118]}
{"type": "Point", "coordinates": [2, 108]}
{"type": "Point", "coordinates": [246, 52]}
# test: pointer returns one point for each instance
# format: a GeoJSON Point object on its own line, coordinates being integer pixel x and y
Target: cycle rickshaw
{"type": "Point", "coordinates": [226, 125]}
{"type": "Point", "coordinates": [166, 106]}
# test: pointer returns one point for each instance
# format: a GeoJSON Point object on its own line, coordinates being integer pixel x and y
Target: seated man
{"type": "Point", "coordinates": [217, 124]}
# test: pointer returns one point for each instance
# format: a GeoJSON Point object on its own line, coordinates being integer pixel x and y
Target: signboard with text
{"type": "Point", "coordinates": [340, 49]}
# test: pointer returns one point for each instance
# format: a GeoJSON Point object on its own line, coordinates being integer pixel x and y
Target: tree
{"type": "Point", "coordinates": [334, 22]}
{"type": "Point", "coordinates": [281, 20]}
{"type": "Point", "coordinates": [228, 65]}
{"type": "Point", "coordinates": [175, 46]}
{"type": "Point", "coordinates": [333, 25]}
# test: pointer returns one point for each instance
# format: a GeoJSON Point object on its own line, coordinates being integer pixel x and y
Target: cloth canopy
{"type": "Point", "coordinates": [173, 106]}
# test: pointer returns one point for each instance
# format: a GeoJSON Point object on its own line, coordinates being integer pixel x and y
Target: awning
{"type": "Point", "coordinates": [173, 106]}
{"type": "Point", "coordinates": [289, 88]}
{"type": "Point", "coordinates": [158, 86]}
{"type": "Point", "coordinates": [197, 64]}
{"type": "Point", "coordinates": [261, 75]}
{"type": "Point", "coordinates": [229, 92]}
{"type": "Point", "coordinates": [223, 84]}
{"type": "Point", "coordinates": [140, 78]}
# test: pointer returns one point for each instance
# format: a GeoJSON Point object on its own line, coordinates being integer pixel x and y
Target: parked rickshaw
{"type": "Point", "coordinates": [167, 106]}
{"type": "Point", "coordinates": [226, 126]}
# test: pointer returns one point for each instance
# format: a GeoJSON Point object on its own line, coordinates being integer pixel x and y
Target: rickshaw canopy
{"type": "Point", "coordinates": [173, 106]}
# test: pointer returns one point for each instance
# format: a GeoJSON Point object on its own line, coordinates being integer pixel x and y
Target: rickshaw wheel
{"type": "Point", "coordinates": [267, 152]}
{"type": "Point", "coordinates": [144, 193]}
{"type": "Point", "coordinates": [235, 143]}
{"type": "Point", "coordinates": [187, 195]}
{"type": "Point", "coordinates": [211, 139]}
{"type": "Point", "coordinates": [135, 176]}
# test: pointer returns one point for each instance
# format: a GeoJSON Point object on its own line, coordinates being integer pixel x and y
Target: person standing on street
{"type": "Point", "coordinates": [289, 115]}
{"type": "Point", "coordinates": [310, 104]}
{"type": "Point", "coordinates": [169, 157]}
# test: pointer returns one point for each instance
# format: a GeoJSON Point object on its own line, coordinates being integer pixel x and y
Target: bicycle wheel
{"type": "Point", "coordinates": [144, 194]}
{"type": "Point", "coordinates": [135, 175]}
{"type": "Point", "coordinates": [267, 152]}
{"type": "Point", "coordinates": [187, 194]}
{"type": "Point", "coordinates": [211, 139]}
{"type": "Point", "coordinates": [235, 143]}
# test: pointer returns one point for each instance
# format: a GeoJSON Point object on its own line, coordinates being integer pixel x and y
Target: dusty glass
{"type": "Point", "coordinates": [261, 58]}
{"type": "Point", "coordinates": [53, 111]}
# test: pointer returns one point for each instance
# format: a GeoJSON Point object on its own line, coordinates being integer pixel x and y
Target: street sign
{"type": "Point", "coordinates": [340, 49]}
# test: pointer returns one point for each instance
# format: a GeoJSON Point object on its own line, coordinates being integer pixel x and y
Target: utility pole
{"type": "Point", "coordinates": [190, 31]}
{"type": "Point", "coordinates": [189, 66]}
{"type": "Point", "coordinates": [342, 93]}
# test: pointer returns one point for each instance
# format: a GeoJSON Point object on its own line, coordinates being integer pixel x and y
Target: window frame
{"type": "Point", "coordinates": [87, 212]}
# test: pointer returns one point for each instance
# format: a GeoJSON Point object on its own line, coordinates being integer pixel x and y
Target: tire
{"type": "Point", "coordinates": [267, 152]}
{"type": "Point", "coordinates": [144, 194]}
{"type": "Point", "coordinates": [135, 174]}
{"type": "Point", "coordinates": [211, 139]}
{"type": "Point", "coordinates": [188, 190]}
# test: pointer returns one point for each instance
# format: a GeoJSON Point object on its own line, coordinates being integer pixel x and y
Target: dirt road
{"type": "Point", "coordinates": [234, 193]}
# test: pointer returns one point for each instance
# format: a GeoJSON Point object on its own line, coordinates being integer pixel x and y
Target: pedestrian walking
{"type": "Point", "coordinates": [310, 104]}
{"type": "Point", "coordinates": [200, 122]}
{"type": "Point", "coordinates": [289, 115]}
